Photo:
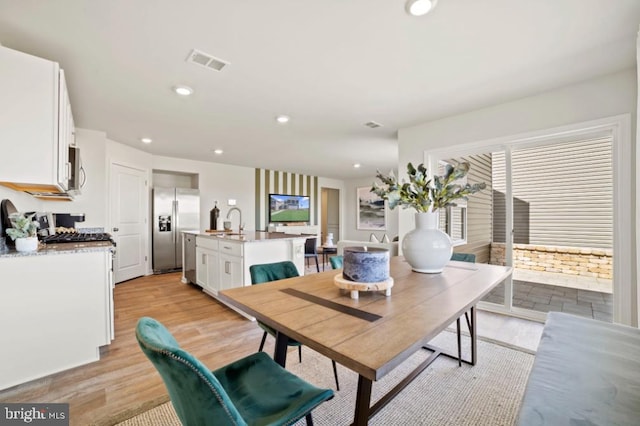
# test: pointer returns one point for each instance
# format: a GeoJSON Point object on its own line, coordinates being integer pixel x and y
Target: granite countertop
{"type": "Point", "coordinates": [64, 248]}
{"type": "Point", "coordinates": [248, 236]}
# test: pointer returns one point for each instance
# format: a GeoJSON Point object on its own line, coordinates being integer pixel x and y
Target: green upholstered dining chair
{"type": "Point", "coordinates": [464, 257]}
{"type": "Point", "coordinates": [471, 258]}
{"type": "Point", "coordinates": [266, 272]}
{"type": "Point", "coordinates": [252, 390]}
{"type": "Point", "coordinates": [336, 262]}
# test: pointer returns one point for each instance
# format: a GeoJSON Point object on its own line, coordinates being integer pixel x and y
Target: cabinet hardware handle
{"type": "Point", "coordinates": [226, 267]}
{"type": "Point", "coordinates": [115, 229]}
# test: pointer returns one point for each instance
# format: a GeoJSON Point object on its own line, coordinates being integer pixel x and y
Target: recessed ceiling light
{"type": "Point", "coordinates": [282, 119]}
{"type": "Point", "coordinates": [420, 7]}
{"type": "Point", "coordinates": [356, 166]}
{"type": "Point", "coordinates": [146, 140]}
{"type": "Point", "coordinates": [218, 151]}
{"type": "Point", "coordinates": [183, 90]}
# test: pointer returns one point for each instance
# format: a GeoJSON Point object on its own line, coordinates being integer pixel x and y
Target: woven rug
{"type": "Point", "coordinates": [488, 393]}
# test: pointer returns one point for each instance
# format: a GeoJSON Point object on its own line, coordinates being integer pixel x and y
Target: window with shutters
{"type": "Point", "coordinates": [453, 219]}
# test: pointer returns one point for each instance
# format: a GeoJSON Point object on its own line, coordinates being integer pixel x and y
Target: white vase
{"type": "Point", "coordinates": [426, 248]}
{"type": "Point", "coordinates": [27, 244]}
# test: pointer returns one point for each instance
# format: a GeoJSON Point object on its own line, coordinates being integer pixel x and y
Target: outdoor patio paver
{"type": "Point", "coordinates": [547, 298]}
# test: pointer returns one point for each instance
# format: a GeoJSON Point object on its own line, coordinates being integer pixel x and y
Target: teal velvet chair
{"type": "Point", "coordinates": [464, 257]}
{"type": "Point", "coordinates": [336, 262]}
{"type": "Point", "coordinates": [471, 258]}
{"type": "Point", "coordinates": [254, 390]}
{"type": "Point", "coordinates": [267, 272]}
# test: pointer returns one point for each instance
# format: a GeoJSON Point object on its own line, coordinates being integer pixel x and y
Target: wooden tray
{"type": "Point", "coordinates": [356, 287]}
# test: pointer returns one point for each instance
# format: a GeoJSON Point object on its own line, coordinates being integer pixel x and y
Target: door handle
{"type": "Point", "coordinates": [176, 224]}
{"type": "Point", "coordinates": [115, 229]}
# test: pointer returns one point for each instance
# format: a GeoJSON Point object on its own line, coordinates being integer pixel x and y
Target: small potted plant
{"type": "Point", "coordinates": [426, 248]}
{"type": "Point", "coordinates": [23, 231]}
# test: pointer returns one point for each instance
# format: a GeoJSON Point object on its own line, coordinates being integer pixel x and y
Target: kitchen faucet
{"type": "Point", "coordinates": [240, 224]}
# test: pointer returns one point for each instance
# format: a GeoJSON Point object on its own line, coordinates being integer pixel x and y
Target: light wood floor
{"type": "Point", "coordinates": [125, 381]}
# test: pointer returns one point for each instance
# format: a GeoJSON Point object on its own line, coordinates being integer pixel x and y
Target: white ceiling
{"type": "Point", "coordinates": [331, 65]}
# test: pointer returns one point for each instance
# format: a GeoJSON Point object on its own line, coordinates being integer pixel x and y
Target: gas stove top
{"type": "Point", "coordinates": [76, 237]}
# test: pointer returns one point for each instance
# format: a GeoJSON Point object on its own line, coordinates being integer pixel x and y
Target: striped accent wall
{"type": "Point", "coordinates": [276, 182]}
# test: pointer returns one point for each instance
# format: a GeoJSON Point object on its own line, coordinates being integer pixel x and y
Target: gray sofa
{"type": "Point", "coordinates": [585, 372]}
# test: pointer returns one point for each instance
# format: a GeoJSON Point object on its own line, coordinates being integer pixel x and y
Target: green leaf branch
{"type": "Point", "coordinates": [424, 194]}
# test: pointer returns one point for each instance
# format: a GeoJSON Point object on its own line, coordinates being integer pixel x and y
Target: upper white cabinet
{"type": "Point", "coordinates": [35, 119]}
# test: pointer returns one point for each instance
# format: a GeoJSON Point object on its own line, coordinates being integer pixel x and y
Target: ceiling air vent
{"type": "Point", "coordinates": [372, 124]}
{"type": "Point", "coordinates": [205, 60]}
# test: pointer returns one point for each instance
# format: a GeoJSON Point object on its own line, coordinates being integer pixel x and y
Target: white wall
{"type": "Point", "coordinates": [601, 97]}
{"type": "Point", "coordinates": [219, 182]}
{"type": "Point", "coordinates": [22, 202]}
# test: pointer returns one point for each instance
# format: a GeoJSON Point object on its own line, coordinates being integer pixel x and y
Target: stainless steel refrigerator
{"type": "Point", "coordinates": [174, 210]}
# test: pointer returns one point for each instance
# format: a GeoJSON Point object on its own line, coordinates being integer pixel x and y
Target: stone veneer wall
{"type": "Point", "coordinates": [588, 262]}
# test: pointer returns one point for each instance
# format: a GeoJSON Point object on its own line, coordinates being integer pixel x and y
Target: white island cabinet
{"type": "Point", "coordinates": [56, 310]}
{"type": "Point", "coordinates": [222, 262]}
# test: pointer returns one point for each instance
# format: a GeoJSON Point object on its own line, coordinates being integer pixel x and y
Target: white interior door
{"type": "Point", "coordinates": [128, 221]}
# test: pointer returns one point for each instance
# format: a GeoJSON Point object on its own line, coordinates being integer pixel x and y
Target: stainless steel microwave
{"type": "Point", "coordinates": [75, 179]}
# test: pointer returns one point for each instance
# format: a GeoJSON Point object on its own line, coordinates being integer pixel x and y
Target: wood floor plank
{"type": "Point", "coordinates": [124, 380]}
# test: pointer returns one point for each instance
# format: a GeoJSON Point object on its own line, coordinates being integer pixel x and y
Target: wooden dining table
{"type": "Point", "coordinates": [375, 333]}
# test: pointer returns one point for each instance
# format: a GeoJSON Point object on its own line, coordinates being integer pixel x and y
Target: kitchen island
{"type": "Point", "coordinates": [223, 259]}
{"type": "Point", "coordinates": [56, 309]}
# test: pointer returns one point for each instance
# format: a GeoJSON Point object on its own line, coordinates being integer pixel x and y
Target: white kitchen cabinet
{"type": "Point", "coordinates": [231, 262]}
{"type": "Point", "coordinates": [207, 269]}
{"type": "Point", "coordinates": [235, 255]}
{"type": "Point", "coordinates": [35, 114]}
{"type": "Point", "coordinates": [207, 275]}
{"type": "Point", "coordinates": [213, 274]}
{"type": "Point", "coordinates": [56, 310]}
{"type": "Point", "coordinates": [201, 267]}
{"type": "Point", "coordinates": [230, 272]}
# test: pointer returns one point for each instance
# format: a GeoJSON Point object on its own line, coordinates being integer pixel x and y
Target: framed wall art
{"type": "Point", "coordinates": [372, 211]}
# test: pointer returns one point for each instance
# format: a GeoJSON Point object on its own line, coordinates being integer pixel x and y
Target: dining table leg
{"type": "Point", "coordinates": [474, 337]}
{"type": "Point", "coordinates": [280, 351]}
{"type": "Point", "coordinates": [363, 399]}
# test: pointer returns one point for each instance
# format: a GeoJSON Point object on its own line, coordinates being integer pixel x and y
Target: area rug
{"type": "Point", "coordinates": [488, 393]}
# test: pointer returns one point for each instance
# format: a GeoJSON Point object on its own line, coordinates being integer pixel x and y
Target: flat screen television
{"type": "Point", "coordinates": [288, 208]}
